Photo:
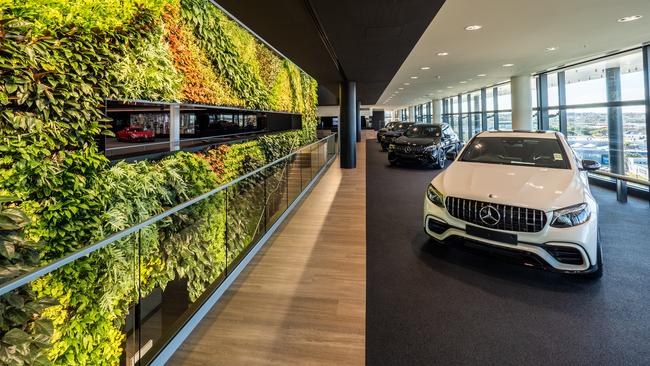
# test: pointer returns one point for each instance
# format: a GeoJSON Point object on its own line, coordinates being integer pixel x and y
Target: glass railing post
{"type": "Point", "coordinates": [226, 240]}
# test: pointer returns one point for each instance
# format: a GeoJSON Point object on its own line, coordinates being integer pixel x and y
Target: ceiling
{"type": "Point", "coordinates": [514, 32]}
{"type": "Point", "coordinates": [370, 39]}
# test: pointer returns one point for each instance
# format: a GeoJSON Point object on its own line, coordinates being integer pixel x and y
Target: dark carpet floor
{"type": "Point", "coordinates": [425, 307]}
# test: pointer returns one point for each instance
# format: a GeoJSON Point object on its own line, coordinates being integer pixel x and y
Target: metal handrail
{"type": "Point", "coordinates": [50, 267]}
{"type": "Point", "coordinates": [622, 177]}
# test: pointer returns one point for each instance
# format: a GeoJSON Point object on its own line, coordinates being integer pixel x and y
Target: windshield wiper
{"type": "Point", "coordinates": [521, 162]}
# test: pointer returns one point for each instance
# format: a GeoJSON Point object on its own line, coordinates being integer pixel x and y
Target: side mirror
{"type": "Point", "coordinates": [451, 155]}
{"type": "Point", "coordinates": [590, 165]}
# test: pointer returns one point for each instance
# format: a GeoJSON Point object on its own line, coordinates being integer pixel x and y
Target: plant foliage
{"type": "Point", "coordinates": [59, 61]}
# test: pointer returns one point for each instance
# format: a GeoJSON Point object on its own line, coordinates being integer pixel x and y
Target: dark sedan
{"type": "Point", "coordinates": [392, 135]}
{"type": "Point", "coordinates": [424, 144]}
{"type": "Point", "coordinates": [389, 127]}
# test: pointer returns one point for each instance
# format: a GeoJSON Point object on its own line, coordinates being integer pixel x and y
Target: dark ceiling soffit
{"type": "Point", "coordinates": [241, 24]}
{"type": "Point", "coordinates": [323, 37]}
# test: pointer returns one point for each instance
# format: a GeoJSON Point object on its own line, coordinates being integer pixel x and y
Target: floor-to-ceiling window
{"type": "Point", "coordinates": [605, 113]}
{"type": "Point", "coordinates": [505, 106]}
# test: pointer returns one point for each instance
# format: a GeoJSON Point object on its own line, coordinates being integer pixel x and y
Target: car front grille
{"type": "Point", "coordinates": [503, 217]}
{"type": "Point", "coordinates": [409, 149]}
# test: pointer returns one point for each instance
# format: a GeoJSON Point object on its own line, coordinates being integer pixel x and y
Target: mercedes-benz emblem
{"type": "Point", "coordinates": [407, 149]}
{"type": "Point", "coordinates": [489, 215]}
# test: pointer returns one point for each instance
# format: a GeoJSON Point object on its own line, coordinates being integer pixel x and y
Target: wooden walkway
{"type": "Point", "coordinates": [301, 301]}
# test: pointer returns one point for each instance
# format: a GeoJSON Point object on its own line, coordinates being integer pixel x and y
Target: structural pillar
{"type": "Point", "coordinates": [436, 111]}
{"type": "Point", "coordinates": [615, 130]}
{"type": "Point", "coordinates": [358, 121]}
{"type": "Point", "coordinates": [484, 125]}
{"type": "Point", "coordinates": [411, 116]}
{"type": "Point", "coordinates": [495, 106]}
{"type": "Point", "coordinates": [347, 124]}
{"type": "Point", "coordinates": [470, 118]}
{"type": "Point", "coordinates": [522, 103]}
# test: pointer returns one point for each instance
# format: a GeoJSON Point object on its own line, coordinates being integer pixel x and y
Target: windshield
{"type": "Point", "coordinates": [391, 125]}
{"type": "Point", "coordinates": [135, 129]}
{"type": "Point", "coordinates": [423, 131]}
{"type": "Point", "coordinates": [402, 127]}
{"type": "Point", "coordinates": [538, 152]}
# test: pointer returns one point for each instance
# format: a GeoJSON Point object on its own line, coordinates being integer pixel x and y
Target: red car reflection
{"type": "Point", "coordinates": [135, 134]}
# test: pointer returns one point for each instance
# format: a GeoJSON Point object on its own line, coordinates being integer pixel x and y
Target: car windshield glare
{"type": "Point", "coordinates": [423, 131]}
{"type": "Point", "coordinates": [522, 151]}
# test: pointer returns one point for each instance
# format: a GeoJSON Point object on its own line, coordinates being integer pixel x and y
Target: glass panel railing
{"type": "Point", "coordinates": [124, 299]}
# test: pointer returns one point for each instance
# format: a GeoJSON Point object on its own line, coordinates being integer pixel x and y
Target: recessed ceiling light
{"type": "Point", "coordinates": [442, 53]}
{"type": "Point", "coordinates": [630, 18]}
{"type": "Point", "coordinates": [463, 82]}
{"type": "Point", "coordinates": [551, 48]}
{"type": "Point", "coordinates": [396, 92]}
{"type": "Point", "coordinates": [425, 68]}
{"type": "Point", "coordinates": [481, 75]}
{"type": "Point", "coordinates": [450, 87]}
{"type": "Point", "coordinates": [508, 65]}
{"type": "Point", "coordinates": [414, 77]}
{"type": "Point", "coordinates": [407, 83]}
{"type": "Point", "coordinates": [439, 91]}
{"type": "Point", "coordinates": [400, 88]}
{"type": "Point", "coordinates": [473, 27]}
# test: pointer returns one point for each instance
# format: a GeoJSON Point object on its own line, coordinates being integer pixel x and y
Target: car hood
{"type": "Point", "coordinates": [540, 188]}
{"type": "Point", "coordinates": [393, 133]}
{"type": "Point", "coordinates": [417, 140]}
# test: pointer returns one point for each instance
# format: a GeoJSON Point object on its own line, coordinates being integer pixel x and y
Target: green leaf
{"type": "Point", "coordinates": [16, 337]}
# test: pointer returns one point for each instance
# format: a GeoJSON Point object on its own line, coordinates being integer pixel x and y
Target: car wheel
{"type": "Point", "coordinates": [437, 247]}
{"type": "Point", "coordinates": [384, 147]}
{"type": "Point", "coordinates": [442, 159]}
{"type": "Point", "coordinates": [393, 160]}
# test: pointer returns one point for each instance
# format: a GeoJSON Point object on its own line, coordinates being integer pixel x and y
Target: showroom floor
{"type": "Point", "coordinates": [462, 308]}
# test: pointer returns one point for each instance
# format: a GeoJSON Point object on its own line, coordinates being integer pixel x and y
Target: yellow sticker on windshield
{"type": "Point", "coordinates": [557, 156]}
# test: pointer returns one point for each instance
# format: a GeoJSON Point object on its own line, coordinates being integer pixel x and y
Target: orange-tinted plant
{"type": "Point", "coordinates": [200, 83]}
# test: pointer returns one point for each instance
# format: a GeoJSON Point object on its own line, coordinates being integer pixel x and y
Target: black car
{"type": "Point", "coordinates": [395, 133]}
{"type": "Point", "coordinates": [389, 127]}
{"type": "Point", "coordinates": [424, 144]}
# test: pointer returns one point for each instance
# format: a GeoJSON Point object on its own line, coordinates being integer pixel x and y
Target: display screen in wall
{"type": "Point", "coordinates": [145, 128]}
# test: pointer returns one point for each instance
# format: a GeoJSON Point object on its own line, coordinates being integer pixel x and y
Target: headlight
{"type": "Point", "coordinates": [391, 147]}
{"type": "Point", "coordinates": [571, 216]}
{"type": "Point", "coordinates": [435, 196]}
{"type": "Point", "coordinates": [430, 148]}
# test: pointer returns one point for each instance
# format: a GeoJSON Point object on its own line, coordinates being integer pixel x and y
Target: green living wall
{"type": "Point", "coordinates": [59, 59]}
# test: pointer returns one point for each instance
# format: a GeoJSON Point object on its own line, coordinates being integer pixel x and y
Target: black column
{"type": "Point", "coordinates": [470, 118]}
{"type": "Point", "coordinates": [460, 118]}
{"type": "Point", "coordinates": [561, 94]}
{"type": "Point", "coordinates": [542, 102]}
{"type": "Point", "coordinates": [495, 102]}
{"type": "Point", "coordinates": [358, 120]}
{"type": "Point", "coordinates": [348, 123]}
{"type": "Point", "coordinates": [615, 130]}
{"type": "Point", "coordinates": [484, 126]}
{"type": "Point", "coordinates": [646, 82]}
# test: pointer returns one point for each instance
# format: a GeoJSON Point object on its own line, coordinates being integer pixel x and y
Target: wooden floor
{"type": "Point", "coordinates": [301, 301]}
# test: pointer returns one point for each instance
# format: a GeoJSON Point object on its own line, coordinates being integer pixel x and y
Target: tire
{"type": "Point", "coordinates": [437, 247]}
{"type": "Point", "coordinates": [442, 159]}
{"type": "Point", "coordinates": [384, 147]}
{"type": "Point", "coordinates": [392, 160]}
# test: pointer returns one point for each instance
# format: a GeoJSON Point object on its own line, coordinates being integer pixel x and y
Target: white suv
{"type": "Point", "coordinates": [523, 194]}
